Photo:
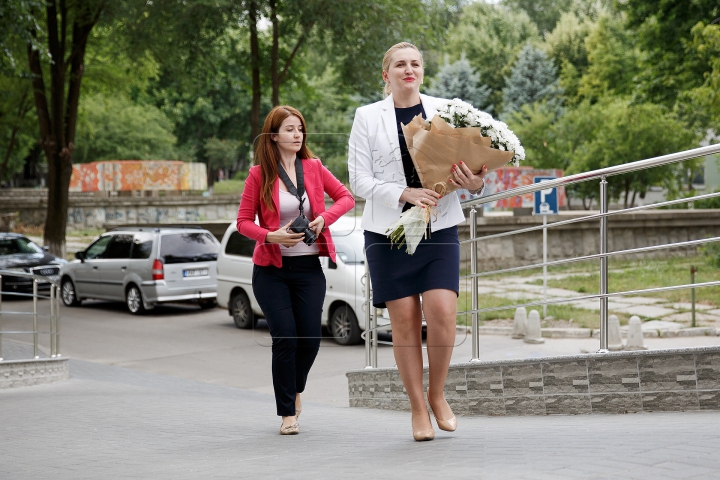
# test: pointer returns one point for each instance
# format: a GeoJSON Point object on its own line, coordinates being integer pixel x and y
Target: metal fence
{"type": "Point", "coordinates": [53, 316]}
{"type": "Point", "coordinates": [603, 175]}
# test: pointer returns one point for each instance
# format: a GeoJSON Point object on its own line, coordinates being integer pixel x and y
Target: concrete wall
{"type": "Point", "coordinates": [89, 211]}
{"type": "Point", "coordinates": [622, 382]}
{"type": "Point", "coordinates": [635, 230]}
{"type": "Point", "coordinates": [24, 373]}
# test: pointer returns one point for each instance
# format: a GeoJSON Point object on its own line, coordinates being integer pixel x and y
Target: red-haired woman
{"type": "Point", "coordinates": [287, 182]}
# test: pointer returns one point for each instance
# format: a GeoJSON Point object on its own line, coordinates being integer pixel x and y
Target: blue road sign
{"type": "Point", "coordinates": [546, 201]}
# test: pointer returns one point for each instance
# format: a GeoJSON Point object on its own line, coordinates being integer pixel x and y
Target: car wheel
{"type": "Point", "coordinates": [68, 293]}
{"type": "Point", "coordinates": [207, 304]}
{"type": "Point", "coordinates": [241, 311]}
{"type": "Point", "coordinates": [134, 301]}
{"type": "Point", "coordinates": [344, 326]}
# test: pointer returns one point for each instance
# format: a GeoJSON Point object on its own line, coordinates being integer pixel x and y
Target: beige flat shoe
{"type": "Point", "coordinates": [293, 429]}
{"type": "Point", "coordinates": [449, 425]}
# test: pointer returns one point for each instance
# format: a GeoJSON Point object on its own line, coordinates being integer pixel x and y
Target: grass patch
{"type": "Point", "coordinates": [228, 187]}
{"type": "Point", "coordinates": [581, 317]}
{"type": "Point", "coordinates": [637, 275]}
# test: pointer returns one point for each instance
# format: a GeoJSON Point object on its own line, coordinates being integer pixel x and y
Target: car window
{"type": "Point", "coordinates": [240, 245]}
{"type": "Point", "coordinates": [27, 246]}
{"type": "Point", "coordinates": [142, 246]}
{"type": "Point", "coordinates": [119, 247]}
{"type": "Point", "coordinates": [13, 246]}
{"type": "Point", "coordinates": [97, 249]}
{"type": "Point", "coordinates": [188, 247]}
{"type": "Point", "coordinates": [349, 248]}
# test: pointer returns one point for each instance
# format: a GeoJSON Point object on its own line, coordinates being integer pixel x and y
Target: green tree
{"type": "Point", "coordinates": [615, 132]}
{"type": "Point", "coordinates": [545, 13]}
{"type": "Point", "coordinates": [459, 80]}
{"type": "Point", "coordinates": [17, 124]}
{"type": "Point", "coordinates": [115, 128]}
{"type": "Point", "coordinates": [565, 46]}
{"type": "Point", "coordinates": [535, 124]}
{"type": "Point", "coordinates": [491, 36]}
{"type": "Point", "coordinates": [664, 33]}
{"type": "Point", "coordinates": [533, 79]}
{"type": "Point", "coordinates": [613, 59]}
{"type": "Point", "coordinates": [701, 105]}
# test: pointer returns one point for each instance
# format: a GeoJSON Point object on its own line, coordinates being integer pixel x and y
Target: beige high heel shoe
{"type": "Point", "coordinates": [449, 425]}
{"type": "Point", "coordinates": [424, 435]}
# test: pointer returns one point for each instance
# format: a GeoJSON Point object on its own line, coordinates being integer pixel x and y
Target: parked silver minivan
{"type": "Point", "coordinates": [145, 266]}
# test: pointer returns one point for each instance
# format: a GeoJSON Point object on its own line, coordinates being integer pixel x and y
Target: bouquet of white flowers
{"type": "Point", "coordinates": [458, 132]}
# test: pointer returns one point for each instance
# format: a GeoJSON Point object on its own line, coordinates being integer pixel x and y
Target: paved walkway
{"type": "Point", "coordinates": [112, 422]}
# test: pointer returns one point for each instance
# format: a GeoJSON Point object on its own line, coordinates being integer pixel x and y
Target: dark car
{"type": "Point", "coordinates": [18, 253]}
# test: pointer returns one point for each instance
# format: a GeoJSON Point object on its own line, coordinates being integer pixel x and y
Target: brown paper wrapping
{"type": "Point", "coordinates": [435, 148]}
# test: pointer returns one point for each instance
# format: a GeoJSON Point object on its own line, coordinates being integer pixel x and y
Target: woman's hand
{"type": "Point", "coordinates": [284, 236]}
{"type": "Point", "coordinates": [317, 225]}
{"type": "Point", "coordinates": [422, 197]}
{"type": "Point", "coordinates": [462, 177]}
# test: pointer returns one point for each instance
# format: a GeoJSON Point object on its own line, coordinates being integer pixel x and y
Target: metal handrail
{"type": "Point", "coordinates": [603, 216]}
{"type": "Point", "coordinates": [54, 315]}
{"type": "Point", "coordinates": [594, 216]}
{"type": "Point", "coordinates": [598, 174]}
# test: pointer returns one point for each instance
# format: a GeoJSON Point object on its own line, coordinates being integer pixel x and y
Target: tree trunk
{"type": "Point", "coordinates": [255, 128]}
{"type": "Point", "coordinates": [57, 120]}
{"type": "Point", "coordinates": [627, 192]}
{"type": "Point", "coordinates": [632, 203]}
{"type": "Point", "coordinates": [274, 78]}
{"type": "Point", "coordinates": [23, 108]}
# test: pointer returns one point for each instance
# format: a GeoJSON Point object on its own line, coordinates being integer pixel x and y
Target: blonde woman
{"type": "Point", "coordinates": [382, 172]}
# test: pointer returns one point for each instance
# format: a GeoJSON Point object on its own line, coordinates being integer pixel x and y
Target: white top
{"type": "Point", "coordinates": [289, 210]}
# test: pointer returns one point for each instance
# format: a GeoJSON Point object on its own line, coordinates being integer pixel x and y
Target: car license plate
{"type": "Point", "coordinates": [198, 272]}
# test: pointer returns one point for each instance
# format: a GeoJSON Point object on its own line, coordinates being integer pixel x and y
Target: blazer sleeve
{"type": "Point", "coordinates": [342, 198]}
{"type": "Point", "coordinates": [250, 206]}
{"type": "Point", "coordinates": [360, 168]}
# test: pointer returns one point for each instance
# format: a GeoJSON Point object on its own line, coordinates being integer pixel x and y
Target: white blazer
{"type": "Point", "coordinates": [376, 169]}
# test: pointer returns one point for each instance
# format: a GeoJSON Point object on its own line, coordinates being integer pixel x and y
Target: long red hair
{"type": "Point", "coordinates": [267, 154]}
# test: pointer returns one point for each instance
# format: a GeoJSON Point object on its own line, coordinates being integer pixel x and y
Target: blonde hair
{"type": "Point", "coordinates": [386, 61]}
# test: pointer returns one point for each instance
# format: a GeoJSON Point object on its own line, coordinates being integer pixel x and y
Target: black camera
{"type": "Point", "coordinates": [300, 225]}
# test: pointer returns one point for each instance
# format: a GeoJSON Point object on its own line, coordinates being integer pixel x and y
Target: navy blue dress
{"type": "Point", "coordinates": [436, 262]}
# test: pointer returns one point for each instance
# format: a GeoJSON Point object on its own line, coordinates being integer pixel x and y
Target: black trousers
{"type": "Point", "coordinates": [291, 299]}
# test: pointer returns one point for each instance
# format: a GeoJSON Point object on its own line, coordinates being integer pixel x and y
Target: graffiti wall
{"type": "Point", "coordinates": [507, 178]}
{"type": "Point", "coordinates": [118, 175]}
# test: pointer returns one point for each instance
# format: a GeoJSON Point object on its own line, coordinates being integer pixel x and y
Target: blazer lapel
{"type": "Point", "coordinates": [390, 124]}
{"type": "Point", "coordinates": [428, 104]}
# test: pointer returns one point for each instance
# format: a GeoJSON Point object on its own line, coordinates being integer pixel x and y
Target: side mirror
{"type": "Point", "coordinates": [80, 256]}
{"type": "Point", "coordinates": [46, 248]}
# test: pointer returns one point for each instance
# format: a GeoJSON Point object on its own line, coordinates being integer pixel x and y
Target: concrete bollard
{"type": "Point", "coordinates": [635, 335]}
{"type": "Point", "coordinates": [614, 338]}
{"type": "Point", "coordinates": [519, 323]}
{"type": "Point", "coordinates": [533, 334]}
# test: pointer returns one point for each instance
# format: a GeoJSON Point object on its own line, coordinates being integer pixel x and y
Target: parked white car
{"type": "Point", "coordinates": [343, 311]}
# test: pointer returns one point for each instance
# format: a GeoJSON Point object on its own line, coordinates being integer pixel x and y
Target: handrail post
{"type": "Point", "coordinates": [603, 267]}
{"type": "Point", "coordinates": [366, 279]}
{"type": "Point", "coordinates": [52, 320]}
{"type": "Point", "coordinates": [1, 326]}
{"type": "Point", "coordinates": [57, 321]}
{"type": "Point", "coordinates": [474, 287]}
{"type": "Point", "coordinates": [374, 336]}
{"type": "Point", "coordinates": [35, 316]}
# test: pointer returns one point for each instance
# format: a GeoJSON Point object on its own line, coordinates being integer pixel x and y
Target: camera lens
{"type": "Point", "coordinates": [310, 237]}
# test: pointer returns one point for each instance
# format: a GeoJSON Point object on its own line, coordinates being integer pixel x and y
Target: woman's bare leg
{"type": "Point", "coordinates": [406, 320]}
{"type": "Point", "coordinates": [440, 308]}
